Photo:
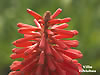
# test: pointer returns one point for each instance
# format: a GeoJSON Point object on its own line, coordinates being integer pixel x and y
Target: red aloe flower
{"type": "Point", "coordinates": [43, 48]}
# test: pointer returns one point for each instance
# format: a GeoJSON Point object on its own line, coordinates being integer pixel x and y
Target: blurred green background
{"type": "Point", "coordinates": [85, 16]}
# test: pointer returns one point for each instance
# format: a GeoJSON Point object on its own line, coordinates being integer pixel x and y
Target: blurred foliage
{"type": "Point", "coordinates": [85, 16]}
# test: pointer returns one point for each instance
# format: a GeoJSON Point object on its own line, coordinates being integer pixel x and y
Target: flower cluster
{"type": "Point", "coordinates": [43, 48]}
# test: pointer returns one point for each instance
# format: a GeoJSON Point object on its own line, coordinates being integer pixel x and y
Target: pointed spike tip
{"type": "Point", "coordinates": [28, 10]}
{"type": "Point", "coordinates": [59, 9]}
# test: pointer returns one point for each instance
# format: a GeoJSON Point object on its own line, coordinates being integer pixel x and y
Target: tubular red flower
{"type": "Point", "coordinates": [27, 38]}
{"type": "Point", "coordinates": [28, 68]}
{"type": "Point", "coordinates": [46, 71]}
{"type": "Point", "coordinates": [14, 56]}
{"type": "Point", "coordinates": [42, 42]}
{"type": "Point", "coordinates": [19, 50]}
{"type": "Point", "coordinates": [58, 42]}
{"type": "Point", "coordinates": [57, 56]}
{"type": "Point", "coordinates": [61, 26]}
{"type": "Point", "coordinates": [73, 54]}
{"type": "Point", "coordinates": [34, 14]}
{"type": "Point", "coordinates": [50, 63]}
{"type": "Point", "coordinates": [71, 43]}
{"type": "Point", "coordinates": [57, 21]}
{"type": "Point", "coordinates": [43, 48]}
{"type": "Point", "coordinates": [36, 22]}
{"type": "Point", "coordinates": [27, 31]}
{"type": "Point", "coordinates": [75, 32]}
{"type": "Point", "coordinates": [48, 49]}
{"type": "Point", "coordinates": [58, 11]}
{"type": "Point", "coordinates": [30, 50]}
{"type": "Point", "coordinates": [24, 44]}
{"type": "Point", "coordinates": [61, 36]}
{"type": "Point", "coordinates": [42, 57]}
{"type": "Point", "coordinates": [16, 65]}
{"type": "Point", "coordinates": [39, 70]}
{"type": "Point", "coordinates": [64, 32]}
{"type": "Point", "coordinates": [59, 70]}
{"type": "Point", "coordinates": [20, 25]}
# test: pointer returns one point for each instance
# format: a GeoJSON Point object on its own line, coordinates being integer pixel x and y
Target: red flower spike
{"type": "Point", "coordinates": [43, 49]}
